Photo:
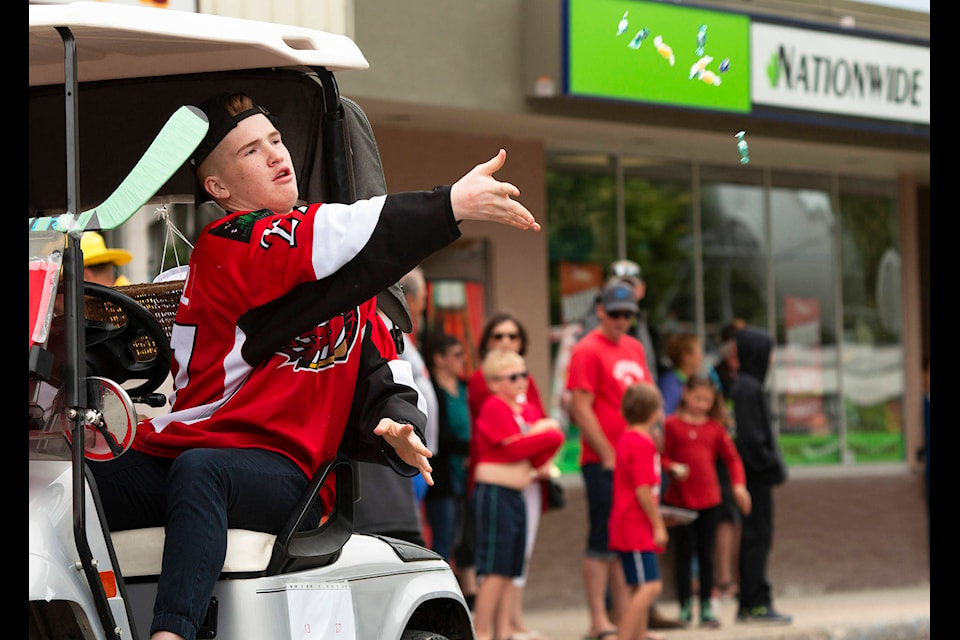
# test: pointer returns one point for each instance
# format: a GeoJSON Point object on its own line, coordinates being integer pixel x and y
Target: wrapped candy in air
{"type": "Point", "coordinates": [664, 49]}
{"type": "Point", "coordinates": [742, 147]}
{"type": "Point", "coordinates": [639, 38]}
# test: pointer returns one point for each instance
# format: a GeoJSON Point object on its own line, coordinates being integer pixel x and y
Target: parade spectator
{"type": "Point", "coordinates": [727, 547]}
{"type": "Point", "coordinates": [504, 330]}
{"type": "Point", "coordinates": [764, 468]}
{"type": "Point", "coordinates": [686, 357]}
{"type": "Point", "coordinates": [694, 438]}
{"type": "Point", "coordinates": [629, 272]}
{"type": "Point", "coordinates": [509, 455]}
{"type": "Point", "coordinates": [604, 363]}
{"type": "Point", "coordinates": [446, 501]}
{"type": "Point", "coordinates": [637, 530]}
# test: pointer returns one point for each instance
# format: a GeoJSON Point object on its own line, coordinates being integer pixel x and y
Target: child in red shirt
{"type": "Point", "coordinates": [694, 437]}
{"type": "Point", "coordinates": [509, 455]}
{"type": "Point", "coordinates": [637, 530]}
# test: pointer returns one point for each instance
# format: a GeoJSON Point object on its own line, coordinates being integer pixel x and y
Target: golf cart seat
{"type": "Point", "coordinates": [249, 553]}
{"type": "Point", "coordinates": [254, 553]}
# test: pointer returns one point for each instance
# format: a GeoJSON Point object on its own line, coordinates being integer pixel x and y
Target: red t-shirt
{"type": "Point", "coordinates": [500, 437]}
{"type": "Point", "coordinates": [638, 464]}
{"type": "Point", "coordinates": [698, 446]}
{"type": "Point", "coordinates": [606, 369]}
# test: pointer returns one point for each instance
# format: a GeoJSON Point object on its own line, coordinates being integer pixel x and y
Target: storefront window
{"type": "Point", "coordinates": [872, 343]}
{"type": "Point", "coordinates": [660, 237]}
{"type": "Point", "coordinates": [807, 401]}
{"type": "Point", "coordinates": [811, 256]}
{"type": "Point", "coordinates": [734, 251]}
{"type": "Point", "coordinates": [582, 201]}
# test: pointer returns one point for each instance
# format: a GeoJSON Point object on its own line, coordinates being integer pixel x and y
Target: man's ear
{"type": "Point", "coordinates": [212, 185]}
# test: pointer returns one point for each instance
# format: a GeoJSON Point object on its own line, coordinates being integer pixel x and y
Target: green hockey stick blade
{"type": "Point", "coordinates": [171, 147]}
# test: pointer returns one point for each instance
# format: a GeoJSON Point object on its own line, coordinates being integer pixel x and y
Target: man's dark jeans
{"type": "Point", "coordinates": [196, 497]}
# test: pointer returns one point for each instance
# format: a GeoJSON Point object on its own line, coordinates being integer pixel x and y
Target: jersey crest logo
{"type": "Point", "coordinates": [240, 228]}
{"type": "Point", "coordinates": [283, 228]}
{"type": "Point", "coordinates": [325, 345]}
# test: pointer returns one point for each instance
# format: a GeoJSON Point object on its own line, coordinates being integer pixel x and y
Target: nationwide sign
{"type": "Point", "coordinates": [850, 75]}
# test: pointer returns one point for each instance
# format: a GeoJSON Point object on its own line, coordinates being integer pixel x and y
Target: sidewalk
{"type": "Point", "coordinates": [889, 614]}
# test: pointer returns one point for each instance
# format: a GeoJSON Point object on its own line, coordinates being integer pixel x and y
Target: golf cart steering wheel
{"type": "Point", "coordinates": [111, 352]}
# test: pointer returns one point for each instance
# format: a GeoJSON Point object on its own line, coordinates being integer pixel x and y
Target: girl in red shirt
{"type": "Point", "coordinates": [694, 437]}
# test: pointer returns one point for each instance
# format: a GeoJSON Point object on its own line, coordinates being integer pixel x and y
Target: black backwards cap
{"type": "Point", "coordinates": [221, 123]}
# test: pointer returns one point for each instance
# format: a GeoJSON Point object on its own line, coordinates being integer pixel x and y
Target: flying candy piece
{"type": "Point", "coordinates": [639, 38]}
{"type": "Point", "coordinates": [724, 65]}
{"type": "Point", "coordinates": [623, 24]}
{"type": "Point", "coordinates": [700, 66]}
{"type": "Point", "coordinates": [701, 39]}
{"type": "Point", "coordinates": [709, 77]}
{"type": "Point", "coordinates": [742, 147]}
{"type": "Point", "coordinates": [664, 49]}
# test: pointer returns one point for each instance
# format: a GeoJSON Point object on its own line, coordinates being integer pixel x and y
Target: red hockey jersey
{"type": "Point", "coordinates": [276, 341]}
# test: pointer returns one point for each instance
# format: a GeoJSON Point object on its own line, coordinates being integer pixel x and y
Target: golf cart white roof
{"type": "Point", "coordinates": [126, 41]}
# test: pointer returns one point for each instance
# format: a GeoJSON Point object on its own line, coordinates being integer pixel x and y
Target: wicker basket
{"type": "Point", "coordinates": [161, 299]}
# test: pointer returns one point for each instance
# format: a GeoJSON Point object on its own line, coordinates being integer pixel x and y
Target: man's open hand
{"type": "Point", "coordinates": [480, 196]}
{"type": "Point", "coordinates": [407, 444]}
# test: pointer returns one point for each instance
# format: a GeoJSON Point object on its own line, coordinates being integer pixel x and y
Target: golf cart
{"type": "Point", "coordinates": [111, 126]}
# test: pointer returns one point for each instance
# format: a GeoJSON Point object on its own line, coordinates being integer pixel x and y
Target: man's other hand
{"type": "Point", "coordinates": [405, 441]}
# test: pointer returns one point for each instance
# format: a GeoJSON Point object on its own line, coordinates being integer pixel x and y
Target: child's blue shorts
{"type": "Point", "coordinates": [501, 530]}
{"type": "Point", "coordinates": [640, 567]}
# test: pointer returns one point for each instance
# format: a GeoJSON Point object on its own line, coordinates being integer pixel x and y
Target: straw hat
{"type": "Point", "coordinates": [95, 251]}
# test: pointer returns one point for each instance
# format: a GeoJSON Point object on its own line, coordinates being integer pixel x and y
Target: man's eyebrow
{"type": "Point", "coordinates": [272, 134]}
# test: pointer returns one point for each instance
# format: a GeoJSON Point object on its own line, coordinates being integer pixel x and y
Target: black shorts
{"type": "Point", "coordinates": [598, 483]}
{"type": "Point", "coordinates": [501, 530]}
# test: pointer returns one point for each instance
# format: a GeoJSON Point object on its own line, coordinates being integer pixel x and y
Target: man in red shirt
{"type": "Point", "coordinates": [603, 365]}
{"type": "Point", "coordinates": [277, 360]}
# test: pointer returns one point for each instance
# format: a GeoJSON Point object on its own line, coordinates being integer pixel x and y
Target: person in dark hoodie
{"type": "Point", "coordinates": [764, 467]}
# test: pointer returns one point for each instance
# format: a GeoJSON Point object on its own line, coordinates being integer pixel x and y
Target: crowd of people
{"type": "Point", "coordinates": [651, 435]}
{"type": "Point", "coordinates": [471, 452]}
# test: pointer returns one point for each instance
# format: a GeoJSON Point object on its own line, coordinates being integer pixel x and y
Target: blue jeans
{"type": "Point", "coordinates": [196, 497]}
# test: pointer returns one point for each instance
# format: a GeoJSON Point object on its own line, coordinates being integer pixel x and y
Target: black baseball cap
{"type": "Point", "coordinates": [619, 296]}
{"type": "Point", "coordinates": [221, 123]}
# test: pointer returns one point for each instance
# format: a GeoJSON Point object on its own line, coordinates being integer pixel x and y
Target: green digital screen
{"type": "Point", "coordinates": [612, 52]}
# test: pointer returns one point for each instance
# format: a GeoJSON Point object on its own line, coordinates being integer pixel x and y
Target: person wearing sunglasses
{"type": "Point", "coordinates": [604, 363]}
{"type": "Point", "coordinates": [504, 330]}
{"type": "Point", "coordinates": [510, 454]}
{"type": "Point", "coordinates": [629, 272]}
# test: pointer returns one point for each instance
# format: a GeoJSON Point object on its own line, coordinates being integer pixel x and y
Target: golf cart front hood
{"type": "Point", "coordinates": [124, 41]}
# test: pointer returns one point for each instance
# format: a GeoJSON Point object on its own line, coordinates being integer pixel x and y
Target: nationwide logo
{"type": "Point", "coordinates": [818, 74]}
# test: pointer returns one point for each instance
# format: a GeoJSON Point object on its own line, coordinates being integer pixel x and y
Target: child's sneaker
{"type": "Point", "coordinates": [708, 619]}
{"type": "Point", "coordinates": [763, 614]}
{"type": "Point", "coordinates": [686, 614]}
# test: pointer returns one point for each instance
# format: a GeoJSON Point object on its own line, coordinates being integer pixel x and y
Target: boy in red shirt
{"type": "Point", "coordinates": [510, 454]}
{"type": "Point", "coordinates": [637, 530]}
